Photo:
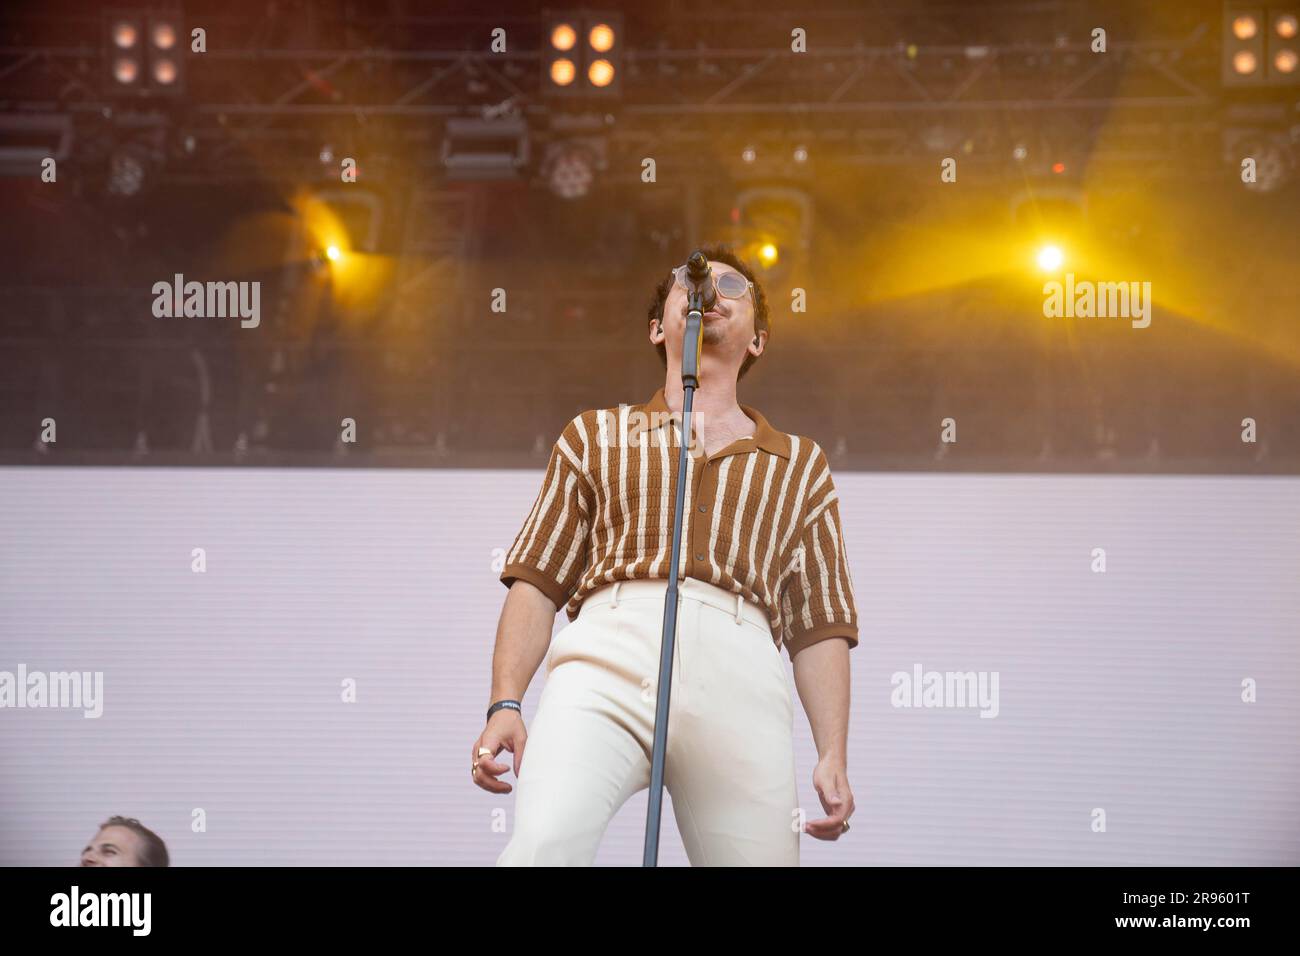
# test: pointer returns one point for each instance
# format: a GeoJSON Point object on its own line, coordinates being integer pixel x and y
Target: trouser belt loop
{"type": "Point", "coordinates": [740, 602]}
{"type": "Point", "coordinates": [613, 598]}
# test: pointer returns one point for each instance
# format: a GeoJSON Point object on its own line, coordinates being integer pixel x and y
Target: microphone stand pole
{"type": "Point", "coordinates": [690, 381]}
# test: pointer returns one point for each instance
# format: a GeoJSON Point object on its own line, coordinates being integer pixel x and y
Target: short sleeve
{"type": "Point", "coordinates": [550, 550]}
{"type": "Point", "coordinates": [817, 601]}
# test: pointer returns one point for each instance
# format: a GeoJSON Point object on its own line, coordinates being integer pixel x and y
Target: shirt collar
{"type": "Point", "coordinates": [765, 436]}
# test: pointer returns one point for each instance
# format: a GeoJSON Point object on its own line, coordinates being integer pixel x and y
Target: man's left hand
{"type": "Point", "coordinates": [831, 779]}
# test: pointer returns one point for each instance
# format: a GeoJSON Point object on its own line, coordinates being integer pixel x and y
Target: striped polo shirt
{"type": "Point", "coordinates": [762, 519]}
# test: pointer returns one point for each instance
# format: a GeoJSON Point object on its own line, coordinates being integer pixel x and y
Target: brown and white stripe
{"type": "Point", "coordinates": [762, 519]}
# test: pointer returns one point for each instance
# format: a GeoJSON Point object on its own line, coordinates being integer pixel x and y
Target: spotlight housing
{"type": "Point", "coordinates": [143, 52]}
{"type": "Point", "coordinates": [582, 54]}
{"type": "Point", "coordinates": [1261, 45]}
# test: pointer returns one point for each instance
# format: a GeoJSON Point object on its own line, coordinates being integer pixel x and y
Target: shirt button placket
{"type": "Point", "coordinates": [701, 527]}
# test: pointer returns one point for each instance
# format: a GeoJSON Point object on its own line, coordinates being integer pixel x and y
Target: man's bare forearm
{"type": "Point", "coordinates": [523, 635]}
{"type": "Point", "coordinates": [821, 674]}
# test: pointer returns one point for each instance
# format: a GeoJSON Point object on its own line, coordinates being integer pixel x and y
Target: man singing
{"type": "Point", "coordinates": [763, 566]}
{"type": "Point", "coordinates": [125, 841]}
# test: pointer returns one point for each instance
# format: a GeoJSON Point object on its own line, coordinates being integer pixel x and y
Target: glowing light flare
{"type": "Point", "coordinates": [601, 73]}
{"type": "Point", "coordinates": [125, 35]}
{"type": "Point", "coordinates": [126, 70]}
{"type": "Point", "coordinates": [164, 36]}
{"type": "Point", "coordinates": [601, 38]}
{"type": "Point", "coordinates": [768, 254]}
{"type": "Point", "coordinates": [1244, 62]}
{"type": "Point", "coordinates": [1050, 258]}
{"type": "Point", "coordinates": [562, 72]}
{"type": "Point", "coordinates": [563, 37]}
{"type": "Point", "coordinates": [164, 72]}
{"type": "Point", "coordinates": [1245, 27]}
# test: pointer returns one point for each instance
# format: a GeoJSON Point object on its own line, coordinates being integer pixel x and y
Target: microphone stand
{"type": "Point", "coordinates": [690, 381]}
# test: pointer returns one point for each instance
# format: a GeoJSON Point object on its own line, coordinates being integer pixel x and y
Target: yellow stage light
{"type": "Point", "coordinates": [125, 70]}
{"type": "Point", "coordinates": [767, 254]}
{"type": "Point", "coordinates": [563, 37]}
{"type": "Point", "coordinates": [1244, 27]}
{"type": "Point", "coordinates": [1286, 26]}
{"type": "Point", "coordinates": [164, 36]}
{"type": "Point", "coordinates": [1244, 62]}
{"type": "Point", "coordinates": [1050, 258]}
{"type": "Point", "coordinates": [164, 72]}
{"type": "Point", "coordinates": [601, 37]}
{"type": "Point", "coordinates": [1285, 61]}
{"type": "Point", "coordinates": [333, 253]}
{"type": "Point", "coordinates": [562, 72]}
{"type": "Point", "coordinates": [601, 73]}
{"type": "Point", "coordinates": [124, 35]}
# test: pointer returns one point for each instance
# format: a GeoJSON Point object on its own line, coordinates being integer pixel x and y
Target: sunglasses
{"type": "Point", "coordinates": [731, 285]}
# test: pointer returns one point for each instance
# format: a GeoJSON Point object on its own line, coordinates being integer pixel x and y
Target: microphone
{"type": "Point", "coordinates": [699, 278]}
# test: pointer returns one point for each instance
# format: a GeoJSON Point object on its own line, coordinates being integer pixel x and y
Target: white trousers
{"type": "Point", "coordinates": [729, 765]}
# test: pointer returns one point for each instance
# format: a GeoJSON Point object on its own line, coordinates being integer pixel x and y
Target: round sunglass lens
{"type": "Point", "coordinates": [732, 285]}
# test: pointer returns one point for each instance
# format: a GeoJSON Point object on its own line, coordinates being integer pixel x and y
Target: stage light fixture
{"type": "Point", "coordinates": [142, 51]}
{"type": "Point", "coordinates": [570, 167]}
{"type": "Point", "coordinates": [164, 36]}
{"type": "Point", "coordinates": [563, 36]}
{"type": "Point", "coordinates": [125, 33]}
{"type": "Point", "coordinates": [126, 70]}
{"type": "Point", "coordinates": [164, 53]}
{"type": "Point", "coordinates": [475, 148]}
{"type": "Point", "coordinates": [1260, 46]}
{"type": "Point", "coordinates": [773, 225]}
{"type": "Point", "coordinates": [124, 51]}
{"type": "Point", "coordinates": [601, 73]}
{"type": "Point", "coordinates": [601, 37]}
{"type": "Point", "coordinates": [583, 57]}
{"type": "Point", "coordinates": [164, 72]}
{"type": "Point", "coordinates": [1243, 46]}
{"type": "Point", "coordinates": [562, 72]}
{"type": "Point", "coordinates": [128, 170]}
{"type": "Point", "coordinates": [1283, 49]}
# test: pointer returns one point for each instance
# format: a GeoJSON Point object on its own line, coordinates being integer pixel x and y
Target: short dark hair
{"type": "Point", "coordinates": [154, 851]}
{"type": "Point", "coordinates": [717, 252]}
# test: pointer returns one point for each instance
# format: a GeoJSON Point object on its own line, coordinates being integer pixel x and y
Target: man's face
{"type": "Point", "coordinates": [113, 846]}
{"type": "Point", "coordinates": [727, 330]}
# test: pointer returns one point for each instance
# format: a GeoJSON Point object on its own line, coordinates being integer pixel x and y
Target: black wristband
{"type": "Point", "coordinates": [502, 705]}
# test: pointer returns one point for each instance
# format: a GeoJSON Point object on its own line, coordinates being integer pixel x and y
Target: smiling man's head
{"type": "Point", "coordinates": [737, 330]}
{"type": "Point", "coordinates": [125, 841]}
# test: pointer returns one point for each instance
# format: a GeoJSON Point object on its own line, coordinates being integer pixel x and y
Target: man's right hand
{"type": "Point", "coordinates": [504, 730]}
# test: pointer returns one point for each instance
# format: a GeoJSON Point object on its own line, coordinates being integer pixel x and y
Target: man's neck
{"type": "Point", "coordinates": [714, 401]}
